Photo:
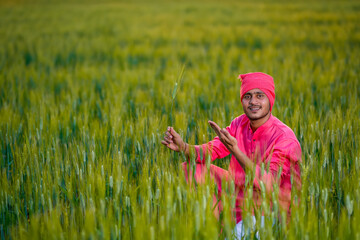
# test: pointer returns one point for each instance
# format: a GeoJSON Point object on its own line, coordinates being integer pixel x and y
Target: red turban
{"type": "Point", "coordinates": [259, 80]}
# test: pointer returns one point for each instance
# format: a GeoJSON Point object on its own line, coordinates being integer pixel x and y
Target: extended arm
{"type": "Point", "coordinates": [215, 148]}
{"type": "Point", "coordinates": [230, 142]}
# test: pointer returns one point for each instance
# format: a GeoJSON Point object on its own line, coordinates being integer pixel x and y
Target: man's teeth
{"type": "Point", "coordinates": [254, 108]}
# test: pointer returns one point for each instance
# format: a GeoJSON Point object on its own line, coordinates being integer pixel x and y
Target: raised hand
{"type": "Point", "coordinates": [173, 140]}
{"type": "Point", "coordinates": [229, 141]}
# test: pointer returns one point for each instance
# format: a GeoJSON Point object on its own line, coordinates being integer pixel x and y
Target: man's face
{"type": "Point", "coordinates": [256, 104]}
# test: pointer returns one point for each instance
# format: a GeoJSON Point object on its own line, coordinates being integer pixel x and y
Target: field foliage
{"type": "Point", "coordinates": [87, 93]}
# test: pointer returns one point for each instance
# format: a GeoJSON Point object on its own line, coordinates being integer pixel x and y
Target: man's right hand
{"type": "Point", "coordinates": [174, 141]}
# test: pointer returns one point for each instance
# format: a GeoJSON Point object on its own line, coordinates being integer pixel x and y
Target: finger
{"type": "Point", "coordinates": [166, 143]}
{"type": "Point", "coordinates": [168, 130]}
{"type": "Point", "coordinates": [168, 139]}
{"type": "Point", "coordinates": [223, 137]}
{"type": "Point", "coordinates": [171, 146]}
{"type": "Point", "coordinates": [225, 132]}
{"type": "Point", "coordinates": [173, 132]}
{"type": "Point", "coordinates": [168, 135]}
{"type": "Point", "coordinates": [219, 134]}
{"type": "Point", "coordinates": [215, 127]}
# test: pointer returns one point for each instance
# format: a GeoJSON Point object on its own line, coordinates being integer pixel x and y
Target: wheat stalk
{"type": "Point", "coordinates": [177, 83]}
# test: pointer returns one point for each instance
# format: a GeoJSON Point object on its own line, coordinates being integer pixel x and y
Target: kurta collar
{"type": "Point", "coordinates": [266, 125]}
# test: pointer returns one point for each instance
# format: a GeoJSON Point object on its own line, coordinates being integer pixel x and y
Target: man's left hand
{"type": "Point", "coordinates": [229, 141]}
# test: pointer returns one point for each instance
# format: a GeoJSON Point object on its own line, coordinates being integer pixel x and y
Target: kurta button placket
{"type": "Point", "coordinates": [253, 146]}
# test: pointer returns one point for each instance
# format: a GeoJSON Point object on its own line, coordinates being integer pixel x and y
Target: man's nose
{"type": "Point", "coordinates": [252, 100]}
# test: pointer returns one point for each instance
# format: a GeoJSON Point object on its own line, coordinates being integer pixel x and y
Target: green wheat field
{"type": "Point", "coordinates": [87, 90]}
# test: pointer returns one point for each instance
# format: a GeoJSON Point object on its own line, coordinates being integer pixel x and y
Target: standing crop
{"type": "Point", "coordinates": [173, 95]}
{"type": "Point", "coordinates": [83, 103]}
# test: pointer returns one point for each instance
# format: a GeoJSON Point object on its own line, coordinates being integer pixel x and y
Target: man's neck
{"type": "Point", "coordinates": [255, 124]}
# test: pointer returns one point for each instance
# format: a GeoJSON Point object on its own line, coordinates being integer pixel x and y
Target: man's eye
{"type": "Point", "coordinates": [260, 95]}
{"type": "Point", "coordinates": [247, 97]}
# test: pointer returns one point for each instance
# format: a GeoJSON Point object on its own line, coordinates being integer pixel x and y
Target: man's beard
{"type": "Point", "coordinates": [257, 118]}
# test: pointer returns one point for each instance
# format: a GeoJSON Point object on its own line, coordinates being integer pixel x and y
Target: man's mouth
{"type": "Point", "coordinates": [254, 108]}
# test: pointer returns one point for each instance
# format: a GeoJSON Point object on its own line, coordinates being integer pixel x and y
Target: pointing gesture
{"type": "Point", "coordinates": [229, 141]}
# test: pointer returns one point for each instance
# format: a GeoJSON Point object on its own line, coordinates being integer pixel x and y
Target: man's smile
{"type": "Point", "coordinates": [254, 108]}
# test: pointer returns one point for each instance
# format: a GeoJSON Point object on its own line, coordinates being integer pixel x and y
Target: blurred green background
{"type": "Point", "coordinates": [86, 95]}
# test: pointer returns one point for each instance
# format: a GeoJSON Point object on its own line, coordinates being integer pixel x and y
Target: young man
{"type": "Point", "coordinates": [253, 138]}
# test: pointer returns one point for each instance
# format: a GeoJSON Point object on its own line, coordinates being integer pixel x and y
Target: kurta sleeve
{"type": "Point", "coordinates": [215, 148]}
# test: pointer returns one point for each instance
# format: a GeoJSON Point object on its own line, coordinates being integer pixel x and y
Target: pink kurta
{"type": "Point", "coordinates": [273, 143]}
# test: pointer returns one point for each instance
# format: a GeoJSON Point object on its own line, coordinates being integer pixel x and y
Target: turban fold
{"type": "Point", "coordinates": [259, 80]}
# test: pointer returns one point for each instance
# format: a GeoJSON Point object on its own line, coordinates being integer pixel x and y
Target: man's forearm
{"type": "Point", "coordinates": [186, 150]}
{"type": "Point", "coordinates": [244, 161]}
{"type": "Point", "coordinates": [189, 151]}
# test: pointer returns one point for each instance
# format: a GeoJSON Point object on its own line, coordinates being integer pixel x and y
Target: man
{"type": "Point", "coordinates": [253, 138]}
